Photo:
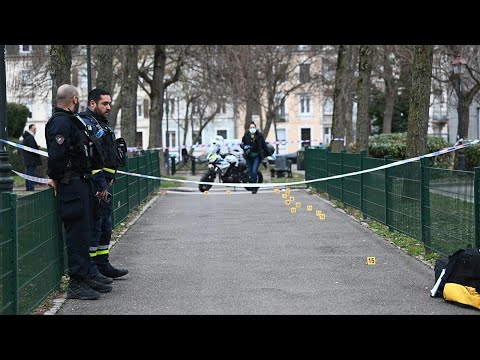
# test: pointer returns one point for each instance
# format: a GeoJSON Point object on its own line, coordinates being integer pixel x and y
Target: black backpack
{"type": "Point", "coordinates": [462, 267]}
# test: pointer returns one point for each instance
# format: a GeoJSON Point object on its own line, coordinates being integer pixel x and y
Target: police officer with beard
{"type": "Point", "coordinates": [71, 158]}
{"type": "Point", "coordinates": [99, 105]}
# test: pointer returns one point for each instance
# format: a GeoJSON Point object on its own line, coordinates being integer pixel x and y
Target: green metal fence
{"type": "Point", "coordinates": [437, 206]}
{"type": "Point", "coordinates": [32, 250]}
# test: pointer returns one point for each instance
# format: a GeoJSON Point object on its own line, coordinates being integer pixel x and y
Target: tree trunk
{"type": "Point", "coordinates": [60, 68]}
{"type": "Point", "coordinates": [129, 94]}
{"type": "Point", "coordinates": [364, 87]}
{"type": "Point", "coordinates": [419, 100]}
{"type": "Point", "coordinates": [390, 90]}
{"type": "Point", "coordinates": [104, 66]}
{"type": "Point", "coordinates": [349, 133]}
{"type": "Point", "coordinates": [343, 77]}
{"type": "Point", "coordinates": [157, 89]}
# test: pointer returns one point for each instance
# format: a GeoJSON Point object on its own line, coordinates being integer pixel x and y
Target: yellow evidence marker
{"type": "Point", "coordinates": [318, 212]}
{"type": "Point", "coordinates": [284, 196]}
{"type": "Point", "coordinates": [371, 260]}
{"type": "Point", "coordinates": [287, 202]}
{"type": "Point", "coordinates": [206, 192]}
{"type": "Point", "coordinates": [276, 190]}
{"type": "Point", "coordinates": [309, 207]}
{"type": "Point", "coordinates": [292, 198]}
{"type": "Point", "coordinates": [293, 210]}
{"type": "Point", "coordinates": [228, 192]}
{"type": "Point", "coordinates": [298, 205]}
{"type": "Point", "coordinates": [321, 216]}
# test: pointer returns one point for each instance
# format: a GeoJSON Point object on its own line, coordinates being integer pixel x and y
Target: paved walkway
{"type": "Point", "coordinates": [240, 253]}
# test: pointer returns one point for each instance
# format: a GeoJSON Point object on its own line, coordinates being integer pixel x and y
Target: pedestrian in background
{"type": "Point", "coordinates": [31, 159]}
{"type": "Point", "coordinates": [254, 151]}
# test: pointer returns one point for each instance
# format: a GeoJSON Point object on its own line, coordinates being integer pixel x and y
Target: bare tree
{"type": "Point", "coordinates": [419, 100]}
{"type": "Point", "coordinates": [60, 67]}
{"type": "Point", "coordinates": [129, 94]}
{"type": "Point", "coordinates": [104, 64]}
{"type": "Point", "coordinates": [364, 87]}
{"type": "Point", "coordinates": [343, 77]}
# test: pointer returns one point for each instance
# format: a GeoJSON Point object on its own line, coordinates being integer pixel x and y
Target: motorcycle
{"type": "Point", "coordinates": [229, 167]}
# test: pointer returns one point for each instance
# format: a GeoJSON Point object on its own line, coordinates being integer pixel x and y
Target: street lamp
{"type": "Point", "coordinates": [167, 135]}
{"type": "Point", "coordinates": [458, 65]}
{"type": "Point", "coordinates": [6, 182]}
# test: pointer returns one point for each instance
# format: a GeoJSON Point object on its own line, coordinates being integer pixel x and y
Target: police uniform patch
{"type": "Point", "coordinates": [59, 139]}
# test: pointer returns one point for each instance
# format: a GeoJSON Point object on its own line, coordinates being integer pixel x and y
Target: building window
{"type": "Point", "coordinates": [25, 49]}
{"type": "Point", "coordinates": [140, 108]}
{"type": "Point", "coordinates": [437, 106]}
{"type": "Point", "coordinates": [326, 135]}
{"type": "Point", "coordinates": [139, 140]}
{"type": "Point", "coordinates": [282, 138]}
{"type": "Point", "coordinates": [305, 73]}
{"type": "Point", "coordinates": [26, 77]}
{"type": "Point", "coordinates": [305, 107]}
{"type": "Point", "coordinates": [328, 72]}
{"type": "Point", "coordinates": [194, 136]}
{"type": "Point", "coordinates": [328, 106]}
{"type": "Point", "coordinates": [173, 138]}
{"type": "Point", "coordinates": [222, 133]}
{"type": "Point", "coordinates": [146, 108]}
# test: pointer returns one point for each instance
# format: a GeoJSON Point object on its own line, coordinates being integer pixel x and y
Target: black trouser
{"type": "Point", "coordinates": [75, 209]}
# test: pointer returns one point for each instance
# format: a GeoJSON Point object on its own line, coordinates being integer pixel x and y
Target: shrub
{"type": "Point", "coordinates": [17, 116]}
{"type": "Point", "coordinates": [395, 145]}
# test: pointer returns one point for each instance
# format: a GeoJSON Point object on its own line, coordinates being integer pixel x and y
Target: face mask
{"type": "Point", "coordinates": [252, 130]}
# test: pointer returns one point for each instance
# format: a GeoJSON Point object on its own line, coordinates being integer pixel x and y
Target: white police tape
{"type": "Point", "coordinates": [31, 178]}
{"type": "Point", "coordinates": [272, 185]}
{"type": "Point", "coordinates": [29, 149]}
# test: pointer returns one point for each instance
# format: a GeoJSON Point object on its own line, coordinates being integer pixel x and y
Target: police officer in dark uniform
{"type": "Point", "coordinates": [70, 157]}
{"type": "Point", "coordinates": [99, 106]}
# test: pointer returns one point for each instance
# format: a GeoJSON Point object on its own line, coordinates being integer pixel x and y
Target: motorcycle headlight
{"type": "Point", "coordinates": [210, 166]}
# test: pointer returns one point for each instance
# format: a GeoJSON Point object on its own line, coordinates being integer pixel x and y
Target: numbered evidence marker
{"type": "Point", "coordinates": [292, 198]}
{"type": "Point", "coordinates": [293, 210]}
{"type": "Point", "coordinates": [371, 260]}
{"type": "Point", "coordinates": [276, 190]}
{"type": "Point", "coordinates": [287, 202]}
{"type": "Point", "coordinates": [287, 190]}
{"type": "Point", "coordinates": [309, 207]}
{"type": "Point", "coordinates": [284, 196]}
{"type": "Point", "coordinates": [321, 216]}
{"type": "Point", "coordinates": [228, 192]}
{"type": "Point", "coordinates": [298, 205]}
{"type": "Point", "coordinates": [205, 193]}
{"type": "Point", "coordinates": [318, 212]}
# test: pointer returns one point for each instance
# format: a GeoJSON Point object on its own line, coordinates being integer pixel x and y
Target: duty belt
{"type": "Point", "coordinates": [82, 177]}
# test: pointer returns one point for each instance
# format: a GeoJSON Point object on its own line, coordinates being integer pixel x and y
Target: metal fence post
{"type": "Point", "coordinates": [363, 155]}
{"type": "Point", "coordinates": [387, 189]}
{"type": "Point", "coordinates": [326, 169]}
{"type": "Point", "coordinates": [342, 172]}
{"type": "Point", "coordinates": [425, 203]}
{"type": "Point", "coordinates": [476, 201]}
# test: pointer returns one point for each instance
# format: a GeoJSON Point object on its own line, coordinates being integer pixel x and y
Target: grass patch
{"type": "Point", "coordinates": [170, 184]}
{"type": "Point", "coordinates": [294, 178]}
{"type": "Point", "coordinates": [18, 180]}
{"type": "Point", "coordinates": [411, 246]}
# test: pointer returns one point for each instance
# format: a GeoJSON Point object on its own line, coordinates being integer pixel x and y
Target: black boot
{"type": "Point", "coordinates": [108, 270]}
{"type": "Point", "coordinates": [78, 290]}
{"type": "Point", "coordinates": [95, 274]}
{"type": "Point", "coordinates": [97, 286]}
